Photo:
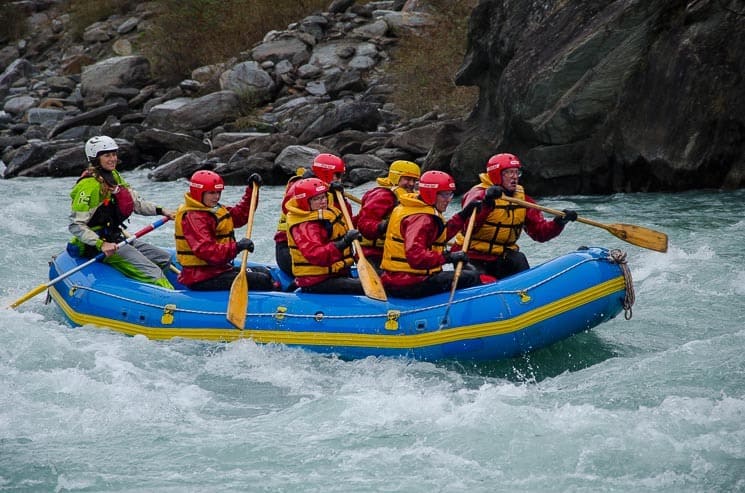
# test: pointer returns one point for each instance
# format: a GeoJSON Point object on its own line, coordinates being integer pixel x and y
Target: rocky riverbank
{"type": "Point", "coordinates": [319, 81]}
{"type": "Point", "coordinates": [596, 97]}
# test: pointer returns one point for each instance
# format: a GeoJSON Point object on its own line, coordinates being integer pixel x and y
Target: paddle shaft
{"type": "Point", "coordinates": [238, 299]}
{"type": "Point", "coordinates": [250, 223]}
{"type": "Point", "coordinates": [459, 266]}
{"type": "Point", "coordinates": [353, 198]}
{"type": "Point", "coordinates": [369, 278]}
{"type": "Point", "coordinates": [348, 220]}
{"type": "Point", "coordinates": [636, 235]}
{"type": "Point", "coordinates": [100, 256]}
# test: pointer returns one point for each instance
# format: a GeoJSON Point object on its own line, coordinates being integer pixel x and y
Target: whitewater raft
{"type": "Point", "coordinates": [528, 311]}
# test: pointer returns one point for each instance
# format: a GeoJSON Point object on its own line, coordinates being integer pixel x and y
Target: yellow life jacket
{"type": "Point", "coordinates": [282, 224]}
{"type": "Point", "coordinates": [223, 230]}
{"type": "Point", "coordinates": [502, 227]}
{"type": "Point", "coordinates": [394, 252]}
{"type": "Point", "coordinates": [334, 220]}
{"type": "Point", "coordinates": [398, 192]}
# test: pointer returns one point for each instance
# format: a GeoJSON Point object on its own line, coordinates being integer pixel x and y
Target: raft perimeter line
{"type": "Point", "coordinates": [401, 341]}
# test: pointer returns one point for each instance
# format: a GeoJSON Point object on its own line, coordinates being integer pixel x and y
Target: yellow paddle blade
{"type": "Point", "coordinates": [238, 301]}
{"type": "Point", "coordinates": [38, 289]}
{"type": "Point", "coordinates": [636, 235]}
{"type": "Point", "coordinates": [639, 236]}
{"type": "Point", "coordinates": [371, 283]}
{"type": "Point", "coordinates": [369, 278]}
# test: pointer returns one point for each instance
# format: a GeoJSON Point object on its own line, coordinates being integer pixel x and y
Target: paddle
{"type": "Point", "coordinates": [38, 289]}
{"type": "Point", "coordinates": [238, 300]}
{"type": "Point", "coordinates": [351, 197]}
{"type": "Point", "coordinates": [369, 278]}
{"type": "Point", "coordinates": [459, 267]}
{"type": "Point", "coordinates": [636, 235]}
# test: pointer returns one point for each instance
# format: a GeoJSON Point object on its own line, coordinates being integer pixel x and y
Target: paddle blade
{"type": "Point", "coordinates": [238, 301]}
{"type": "Point", "coordinates": [371, 283]}
{"type": "Point", "coordinates": [639, 236]}
{"type": "Point", "coordinates": [38, 289]}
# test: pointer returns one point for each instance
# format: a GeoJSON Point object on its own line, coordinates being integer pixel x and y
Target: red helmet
{"type": "Point", "coordinates": [205, 181]}
{"type": "Point", "coordinates": [433, 182]}
{"type": "Point", "coordinates": [326, 165]}
{"type": "Point", "coordinates": [498, 163]}
{"type": "Point", "coordinates": [306, 189]}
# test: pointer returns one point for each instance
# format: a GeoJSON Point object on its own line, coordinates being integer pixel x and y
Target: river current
{"type": "Point", "coordinates": [651, 404]}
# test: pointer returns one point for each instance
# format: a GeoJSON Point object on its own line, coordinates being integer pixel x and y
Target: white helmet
{"type": "Point", "coordinates": [98, 144]}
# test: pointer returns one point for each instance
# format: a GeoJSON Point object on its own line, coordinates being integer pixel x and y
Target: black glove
{"type": "Point", "coordinates": [493, 193]}
{"type": "Point", "coordinates": [347, 240]}
{"type": "Point", "coordinates": [336, 186]}
{"type": "Point", "coordinates": [569, 215]}
{"type": "Point", "coordinates": [455, 257]}
{"type": "Point", "coordinates": [244, 244]}
{"type": "Point", "coordinates": [255, 178]}
{"type": "Point", "coordinates": [465, 214]}
{"type": "Point", "coordinates": [382, 227]}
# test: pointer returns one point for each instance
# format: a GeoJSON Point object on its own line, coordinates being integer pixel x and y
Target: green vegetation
{"type": "Point", "coordinates": [424, 63]}
{"type": "Point", "coordinates": [193, 33]}
{"type": "Point", "coordinates": [86, 12]}
{"type": "Point", "coordinates": [14, 25]}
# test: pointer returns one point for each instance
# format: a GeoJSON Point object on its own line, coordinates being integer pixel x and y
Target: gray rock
{"type": "Point", "coordinates": [93, 117]}
{"type": "Point", "coordinates": [250, 81]}
{"type": "Point", "coordinates": [181, 167]}
{"type": "Point", "coordinates": [296, 156]}
{"type": "Point", "coordinates": [45, 116]}
{"type": "Point", "coordinates": [126, 71]}
{"type": "Point", "coordinates": [290, 48]}
{"type": "Point", "coordinates": [157, 142]}
{"type": "Point", "coordinates": [204, 113]}
{"type": "Point", "coordinates": [19, 104]}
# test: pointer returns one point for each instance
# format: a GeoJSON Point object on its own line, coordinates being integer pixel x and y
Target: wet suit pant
{"type": "Point", "coordinates": [440, 282]}
{"type": "Point", "coordinates": [336, 285]}
{"type": "Point", "coordinates": [143, 262]}
{"type": "Point", "coordinates": [259, 279]}
{"type": "Point", "coordinates": [511, 262]}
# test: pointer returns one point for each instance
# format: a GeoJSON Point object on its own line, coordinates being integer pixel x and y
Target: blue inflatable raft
{"type": "Point", "coordinates": [522, 313]}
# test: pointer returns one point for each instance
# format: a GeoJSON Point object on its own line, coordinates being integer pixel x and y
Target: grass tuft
{"type": "Point", "coordinates": [193, 33]}
{"type": "Point", "coordinates": [424, 63]}
{"type": "Point", "coordinates": [14, 25]}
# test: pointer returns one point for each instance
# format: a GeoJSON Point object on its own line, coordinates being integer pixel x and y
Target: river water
{"type": "Point", "coordinates": [653, 404]}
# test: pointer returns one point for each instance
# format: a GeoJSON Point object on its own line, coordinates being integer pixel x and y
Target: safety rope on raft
{"type": "Point", "coordinates": [619, 257]}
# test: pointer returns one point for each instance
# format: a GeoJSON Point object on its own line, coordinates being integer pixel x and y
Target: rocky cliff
{"type": "Point", "coordinates": [607, 96]}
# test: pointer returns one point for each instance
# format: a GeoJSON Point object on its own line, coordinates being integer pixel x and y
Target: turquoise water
{"type": "Point", "coordinates": [653, 404]}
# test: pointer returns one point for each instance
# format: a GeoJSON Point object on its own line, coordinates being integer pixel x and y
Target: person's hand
{"type": "Point", "coordinates": [474, 205]}
{"type": "Point", "coordinates": [255, 178]}
{"type": "Point", "coordinates": [455, 257]}
{"type": "Point", "coordinates": [347, 239]}
{"type": "Point", "coordinates": [336, 186]}
{"type": "Point", "coordinates": [244, 244]}
{"type": "Point", "coordinates": [382, 227]}
{"type": "Point", "coordinates": [569, 215]}
{"type": "Point", "coordinates": [493, 193]}
{"type": "Point", "coordinates": [109, 248]}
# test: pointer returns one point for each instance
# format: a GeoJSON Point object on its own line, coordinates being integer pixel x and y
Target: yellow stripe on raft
{"type": "Point", "coordinates": [383, 340]}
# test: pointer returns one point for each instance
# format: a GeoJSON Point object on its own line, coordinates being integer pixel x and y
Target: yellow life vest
{"type": "Point", "coordinates": [335, 220]}
{"type": "Point", "coordinates": [502, 227]}
{"type": "Point", "coordinates": [394, 252]}
{"type": "Point", "coordinates": [398, 192]}
{"type": "Point", "coordinates": [282, 224]}
{"type": "Point", "coordinates": [223, 230]}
